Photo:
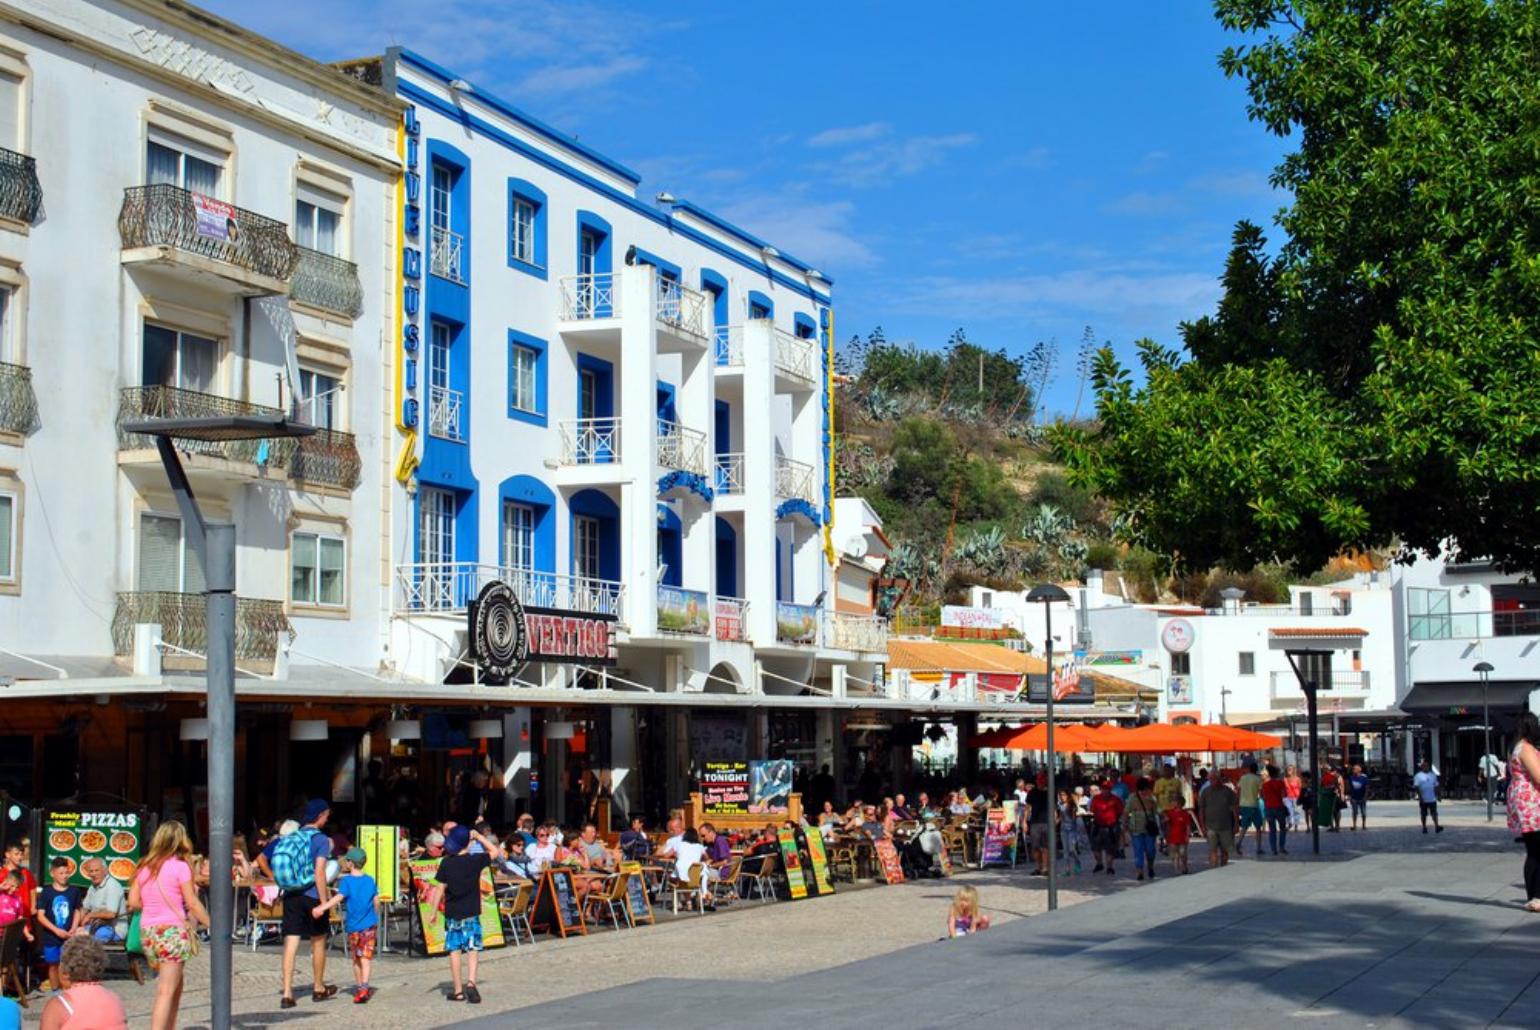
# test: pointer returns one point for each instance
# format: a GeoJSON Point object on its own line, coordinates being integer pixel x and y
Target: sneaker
{"type": "Point", "coordinates": [362, 995]}
{"type": "Point", "coordinates": [1283, 851]}
{"type": "Point", "coordinates": [1099, 868]}
{"type": "Point", "coordinates": [1111, 871]}
{"type": "Point", "coordinates": [1424, 829]}
{"type": "Point", "coordinates": [1140, 877]}
{"type": "Point", "coordinates": [1152, 874]}
{"type": "Point", "coordinates": [1438, 829]}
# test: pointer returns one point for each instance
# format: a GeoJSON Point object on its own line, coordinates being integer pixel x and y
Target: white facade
{"type": "Point", "coordinates": [1458, 615]}
{"type": "Point", "coordinates": [134, 290]}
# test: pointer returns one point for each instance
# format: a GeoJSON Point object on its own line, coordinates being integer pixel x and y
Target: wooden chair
{"type": "Point", "coordinates": [843, 857]}
{"type": "Point", "coordinates": [12, 973]}
{"type": "Point", "coordinates": [955, 840]}
{"type": "Point", "coordinates": [610, 897]}
{"type": "Point", "coordinates": [725, 886]}
{"type": "Point", "coordinates": [690, 888]}
{"type": "Point", "coordinates": [513, 906]}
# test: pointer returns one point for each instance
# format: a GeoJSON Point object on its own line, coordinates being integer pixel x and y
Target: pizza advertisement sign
{"type": "Point", "coordinates": [77, 834]}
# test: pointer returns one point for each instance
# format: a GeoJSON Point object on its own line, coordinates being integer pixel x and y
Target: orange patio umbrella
{"type": "Point", "coordinates": [1163, 738]}
{"type": "Point", "coordinates": [1067, 737]}
{"type": "Point", "coordinates": [994, 737]}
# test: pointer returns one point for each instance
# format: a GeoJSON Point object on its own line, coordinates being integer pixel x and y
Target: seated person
{"type": "Point", "coordinates": [960, 805]}
{"type": "Point", "coordinates": [689, 853]}
{"type": "Point", "coordinates": [544, 852]}
{"type": "Point", "coordinates": [871, 824]}
{"type": "Point", "coordinates": [765, 842]}
{"type": "Point", "coordinates": [525, 828]}
{"type": "Point", "coordinates": [901, 810]}
{"type": "Point", "coordinates": [719, 850]}
{"type": "Point", "coordinates": [104, 910]}
{"type": "Point", "coordinates": [635, 845]}
{"type": "Point", "coordinates": [516, 859]}
{"type": "Point", "coordinates": [591, 851]}
{"type": "Point", "coordinates": [923, 808]}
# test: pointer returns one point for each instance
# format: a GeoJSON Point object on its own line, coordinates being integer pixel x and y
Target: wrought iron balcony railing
{"type": "Point", "coordinates": [18, 401]}
{"type": "Point", "coordinates": [327, 457]}
{"type": "Point", "coordinates": [590, 441]}
{"type": "Point", "coordinates": [444, 413]}
{"type": "Point", "coordinates": [182, 625]}
{"type": "Point", "coordinates": [680, 447]}
{"type": "Point", "coordinates": [21, 195]}
{"type": "Point", "coordinates": [794, 479]}
{"type": "Point", "coordinates": [590, 296]}
{"type": "Point", "coordinates": [163, 215]}
{"type": "Point", "coordinates": [853, 632]}
{"type": "Point", "coordinates": [448, 255]}
{"type": "Point", "coordinates": [729, 473]}
{"type": "Point", "coordinates": [729, 346]}
{"type": "Point", "coordinates": [681, 308]}
{"type": "Point", "coordinates": [139, 402]}
{"type": "Point", "coordinates": [447, 587]}
{"type": "Point", "coordinates": [327, 282]}
{"type": "Point", "coordinates": [794, 357]}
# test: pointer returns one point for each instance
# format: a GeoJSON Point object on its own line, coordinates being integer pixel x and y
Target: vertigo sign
{"type": "Point", "coordinates": [504, 634]}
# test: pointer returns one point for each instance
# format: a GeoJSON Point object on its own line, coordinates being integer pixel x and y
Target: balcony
{"type": "Point", "coordinates": [18, 401]}
{"type": "Point", "coordinates": [680, 312]}
{"type": "Point", "coordinates": [329, 458]}
{"type": "Point", "coordinates": [729, 474]}
{"type": "Point", "coordinates": [590, 441]}
{"type": "Point", "coordinates": [732, 616]}
{"type": "Point", "coordinates": [206, 239]}
{"type": "Point", "coordinates": [851, 632]}
{"type": "Point", "coordinates": [729, 346]}
{"type": "Point", "coordinates": [446, 255]}
{"type": "Point", "coordinates": [1514, 622]}
{"type": "Point", "coordinates": [1285, 687]}
{"type": "Point", "coordinates": [681, 448]}
{"type": "Point", "coordinates": [20, 193]}
{"type": "Point", "coordinates": [182, 625]}
{"type": "Point", "coordinates": [444, 414]}
{"type": "Point", "coordinates": [328, 283]}
{"type": "Point", "coordinates": [794, 479]}
{"type": "Point", "coordinates": [588, 298]}
{"type": "Point", "coordinates": [796, 361]}
{"type": "Point", "coordinates": [796, 623]}
{"type": "Point", "coordinates": [140, 402]}
{"type": "Point", "coordinates": [684, 611]}
{"type": "Point", "coordinates": [444, 588]}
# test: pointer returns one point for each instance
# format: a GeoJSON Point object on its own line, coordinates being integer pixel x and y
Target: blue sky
{"type": "Point", "coordinates": [1020, 170]}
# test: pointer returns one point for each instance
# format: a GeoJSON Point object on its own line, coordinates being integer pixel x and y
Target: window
{"type": "Point", "coordinates": [166, 563]}
{"type": "Point", "coordinates": [521, 231]}
{"type": "Point", "coordinates": [1427, 614]}
{"type": "Point", "coordinates": [438, 356]}
{"type": "Point", "coordinates": [1306, 603]}
{"type": "Point", "coordinates": [1248, 663]}
{"type": "Point", "coordinates": [522, 378]}
{"type": "Point", "coordinates": [518, 550]}
{"type": "Point", "coordinates": [10, 111]}
{"type": "Point", "coordinates": [318, 570]}
{"type": "Point", "coordinates": [173, 358]}
{"type": "Point", "coordinates": [9, 351]}
{"type": "Point", "coordinates": [439, 196]}
{"type": "Point", "coordinates": [9, 510]}
{"type": "Point", "coordinates": [176, 162]}
{"type": "Point", "coordinates": [1181, 664]}
{"type": "Point", "coordinates": [320, 406]}
{"type": "Point", "coordinates": [585, 547]}
{"type": "Point", "coordinates": [588, 393]}
{"type": "Point", "coordinates": [436, 525]}
{"type": "Point", "coordinates": [318, 222]}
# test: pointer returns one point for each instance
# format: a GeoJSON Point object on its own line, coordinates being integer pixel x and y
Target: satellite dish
{"type": "Point", "coordinates": [857, 546]}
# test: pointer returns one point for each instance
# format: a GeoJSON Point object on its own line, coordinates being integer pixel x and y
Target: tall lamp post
{"type": "Point", "coordinates": [1484, 670]}
{"type": "Point", "coordinates": [214, 543]}
{"type": "Point", "coordinates": [1311, 668]}
{"type": "Point", "coordinates": [1048, 593]}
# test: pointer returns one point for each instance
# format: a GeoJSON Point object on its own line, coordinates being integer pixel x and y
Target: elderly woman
{"type": "Point", "coordinates": [84, 1002]}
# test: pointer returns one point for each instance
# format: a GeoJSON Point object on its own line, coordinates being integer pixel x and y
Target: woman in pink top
{"type": "Point", "coordinates": [1524, 803]}
{"type": "Point", "coordinates": [1292, 785]}
{"type": "Point", "coordinates": [84, 1004]}
{"type": "Point", "coordinates": [162, 891]}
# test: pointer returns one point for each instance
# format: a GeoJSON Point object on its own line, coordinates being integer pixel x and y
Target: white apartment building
{"type": "Point", "coordinates": [194, 221]}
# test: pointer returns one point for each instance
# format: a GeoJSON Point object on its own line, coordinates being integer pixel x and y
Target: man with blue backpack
{"type": "Point", "coordinates": [299, 869]}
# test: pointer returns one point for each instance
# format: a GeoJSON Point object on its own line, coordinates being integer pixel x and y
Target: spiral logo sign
{"type": "Point", "coordinates": [499, 634]}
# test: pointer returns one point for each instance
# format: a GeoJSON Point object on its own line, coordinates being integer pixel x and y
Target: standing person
{"type": "Point", "coordinates": [1358, 796]}
{"type": "Point", "coordinates": [162, 892]}
{"type": "Point", "coordinates": [1038, 810]}
{"type": "Point", "coordinates": [84, 1002]}
{"type": "Point", "coordinates": [1221, 818]}
{"type": "Point", "coordinates": [1524, 803]}
{"type": "Point", "coordinates": [1275, 792]}
{"type": "Point", "coordinates": [356, 890]}
{"type": "Point", "coordinates": [1328, 801]}
{"type": "Point", "coordinates": [1142, 819]}
{"type": "Point", "coordinates": [1249, 796]}
{"type": "Point", "coordinates": [1292, 786]}
{"type": "Point", "coordinates": [1168, 793]}
{"type": "Point", "coordinates": [1106, 828]}
{"type": "Point", "coordinates": [460, 885]}
{"type": "Point", "coordinates": [58, 915]}
{"type": "Point", "coordinates": [26, 883]}
{"type": "Point", "coordinates": [1425, 783]}
{"type": "Point", "coordinates": [299, 867]}
{"type": "Point", "coordinates": [1178, 833]}
{"type": "Point", "coordinates": [1071, 831]}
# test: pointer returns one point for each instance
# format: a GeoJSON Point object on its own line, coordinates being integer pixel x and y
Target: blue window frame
{"type": "Point", "coordinates": [527, 228]}
{"type": "Point", "coordinates": [807, 329]}
{"type": "Point", "coordinates": [528, 376]}
{"type": "Point", "coordinates": [760, 306]}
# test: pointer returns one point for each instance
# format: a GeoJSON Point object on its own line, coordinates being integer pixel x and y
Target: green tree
{"type": "Point", "coordinates": [1376, 381]}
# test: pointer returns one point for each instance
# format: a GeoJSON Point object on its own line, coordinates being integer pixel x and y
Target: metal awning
{"type": "Point", "coordinates": [1465, 698]}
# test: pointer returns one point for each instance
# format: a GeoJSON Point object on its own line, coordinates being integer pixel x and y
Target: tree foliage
{"type": "Point", "coordinates": [1377, 380]}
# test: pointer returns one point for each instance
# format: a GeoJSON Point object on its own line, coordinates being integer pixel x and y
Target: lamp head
{"type": "Point", "coordinates": [1483, 667]}
{"type": "Point", "coordinates": [1047, 593]}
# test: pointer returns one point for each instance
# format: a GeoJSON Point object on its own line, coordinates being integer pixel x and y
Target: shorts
{"type": "Point", "coordinates": [1222, 839]}
{"type": "Point", "coordinates": [1104, 838]}
{"type": "Point", "coordinates": [165, 943]}
{"type": "Point", "coordinates": [1178, 850]}
{"type": "Point", "coordinates": [1037, 834]}
{"type": "Point", "coordinates": [106, 934]}
{"type": "Point", "coordinates": [1358, 806]}
{"type": "Point", "coordinates": [297, 920]}
{"type": "Point", "coordinates": [51, 953]}
{"type": "Point", "coordinates": [1252, 817]}
{"type": "Point", "coordinates": [361, 943]}
{"type": "Point", "coordinates": [462, 934]}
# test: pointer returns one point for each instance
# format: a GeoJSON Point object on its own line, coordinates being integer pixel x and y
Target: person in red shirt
{"type": "Point", "coordinates": [1275, 790]}
{"type": "Point", "coordinates": [1106, 827]}
{"type": "Point", "coordinates": [16, 862]}
{"type": "Point", "coordinates": [1178, 833]}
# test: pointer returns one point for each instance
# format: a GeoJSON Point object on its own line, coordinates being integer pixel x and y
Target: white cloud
{"type": "Point", "coordinates": [574, 77]}
{"type": "Point", "coordinates": [1153, 299]}
{"type": "Point", "coordinates": [891, 158]}
{"type": "Point", "coordinates": [846, 135]}
{"type": "Point", "coordinates": [1144, 203]}
{"type": "Point", "coordinates": [818, 233]}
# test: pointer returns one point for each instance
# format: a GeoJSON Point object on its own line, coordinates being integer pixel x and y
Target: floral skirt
{"type": "Point", "coordinates": [165, 943]}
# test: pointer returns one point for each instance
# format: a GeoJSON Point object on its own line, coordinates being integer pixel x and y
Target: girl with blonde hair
{"type": "Point", "coordinates": [965, 917]}
{"type": "Point", "coordinates": [162, 892]}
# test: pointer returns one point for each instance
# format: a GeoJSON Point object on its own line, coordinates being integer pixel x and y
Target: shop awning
{"type": "Point", "coordinates": [954, 656]}
{"type": "Point", "coordinates": [1465, 698]}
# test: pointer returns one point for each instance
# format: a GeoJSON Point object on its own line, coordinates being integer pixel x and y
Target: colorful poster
{"type": "Point", "coordinates": [1179, 690]}
{"type": "Point", "coordinates": [423, 872]}
{"type": "Point", "coordinates": [791, 859]}
{"type": "Point", "coordinates": [729, 619]}
{"type": "Point", "coordinates": [819, 861]}
{"type": "Point", "coordinates": [214, 219]}
{"type": "Point", "coordinates": [77, 834]}
{"type": "Point", "coordinates": [887, 857]}
{"type": "Point", "coordinates": [683, 611]}
{"type": "Point", "coordinates": [724, 788]}
{"type": "Point", "coordinates": [999, 838]}
{"type": "Point", "coordinates": [383, 846]}
{"type": "Point", "coordinates": [796, 623]}
{"type": "Point", "coordinates": [770, 786]}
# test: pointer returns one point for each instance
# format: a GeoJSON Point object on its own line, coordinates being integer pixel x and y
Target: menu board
{"type": "Point", "coordinates": [999, 837]}
{"type": "Point", "coordinates": [791, 858]}
{"type": "Point", "coordinates": [382, 845]}
{"type": "Point", "coordinates": [77, 834]}
{"type": "Point", "coordinates": [724, 788]}
{"type": "Point", "coordinates": [556, 907]}
{"type": "Point", "coordinates": [819, 861]}
{"type": "Point", "coordinates": [770, 786]}
{"type": "Point", "coordinates": [424, 871]}
{"type": "Point", "coordinates": [637, 901]}
{"type": "Point", "coordinates": [887, 857]}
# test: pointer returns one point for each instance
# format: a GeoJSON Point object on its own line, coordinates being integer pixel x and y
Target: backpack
{"type": "Point", "coordinates": [293, 868]}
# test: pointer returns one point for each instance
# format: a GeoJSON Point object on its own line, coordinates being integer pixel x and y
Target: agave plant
{"type": "Point", "coordinates": [882, 405]}
{"type": "Point", "coordinates": [1046, 526]}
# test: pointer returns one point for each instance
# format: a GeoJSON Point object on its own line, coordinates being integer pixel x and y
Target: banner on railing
{"type": "Point", "coordinates": [683, 611]}
{"type": "Point", "coordinates": [215, 219]}
{"type": "Point", "coordinates": [729, 620]}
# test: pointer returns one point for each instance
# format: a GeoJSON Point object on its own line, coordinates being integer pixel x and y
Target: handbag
{"type": "Point", "coordinates": [133, 944]}
{"type": "Point", "coordinates": [1151, 827]}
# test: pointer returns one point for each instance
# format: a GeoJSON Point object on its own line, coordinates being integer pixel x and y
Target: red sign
{"type": "Point", "coordinates": [729, 620]}
{"type": "Point", "coordinates": [564, 636]}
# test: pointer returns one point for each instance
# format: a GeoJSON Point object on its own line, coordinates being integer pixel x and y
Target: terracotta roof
{"type": "Point", "coordinates": [959, 656]}
{"type": "Point", "coordinates": [1322, 631]}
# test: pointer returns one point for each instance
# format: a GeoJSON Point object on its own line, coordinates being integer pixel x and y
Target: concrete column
{"type": "Point", "coordinates": [517, 761]}
{"type": "Point", "coordinates": [759, 480]}
{"type": "Point", "coordinates": [625, 778]}
{"type": "Point", "coordinates": [638, 409]}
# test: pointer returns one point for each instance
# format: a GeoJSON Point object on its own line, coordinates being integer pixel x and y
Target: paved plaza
{"type": "Point", "coordinates": [1390, 928]}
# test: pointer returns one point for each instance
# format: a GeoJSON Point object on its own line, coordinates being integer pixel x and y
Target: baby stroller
{"type": "Point", "coordinates": [921, 857]}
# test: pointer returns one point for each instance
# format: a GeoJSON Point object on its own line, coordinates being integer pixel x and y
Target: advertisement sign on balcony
{"type": "Point", "coordinates": [729, 620]}
{"type": "Point", "coordinates": [1179, 690]}
{"type": "Point", "coordinates": [683, 611]}
{"type": "Point", "coordinates": [215, 220]}
{"type": "Point", "coordinates": [796, 623]}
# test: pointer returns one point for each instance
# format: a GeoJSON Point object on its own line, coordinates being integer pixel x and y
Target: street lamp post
{"type": "Point", "coordinates": [1307, 665]}
{"type": "Point", "coordinates": [1484, 670]}
{"type": "Point", "coordinates": [214, 543]}
{"type": "Point", "coordinates": [1048, 593]}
